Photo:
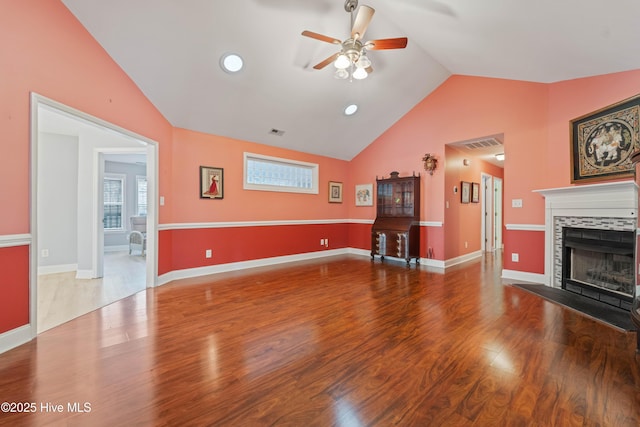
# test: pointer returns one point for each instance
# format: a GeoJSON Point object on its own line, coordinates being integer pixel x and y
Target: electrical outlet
{"type": "Point", "coordinates": [45, 253]}
{"type": "Point", "coordinates": [208, 253]}
{"type": "Point", "coordinates": [321, 242]}
{"type": "Point", "coordinates": [326, 243]}
{"type": "Point", "coordinates": [466, 244]}
{"type": "Point", "coordinates": [515, 257]}
{"type": "Point", "coordinates": [516, 203]}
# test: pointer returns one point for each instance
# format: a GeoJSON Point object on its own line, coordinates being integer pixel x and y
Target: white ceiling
{"type": "Point", "coordinates": [171, 49]}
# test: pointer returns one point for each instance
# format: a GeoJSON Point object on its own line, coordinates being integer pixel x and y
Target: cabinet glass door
{"type": "Point", "coordinates": [385, 195]}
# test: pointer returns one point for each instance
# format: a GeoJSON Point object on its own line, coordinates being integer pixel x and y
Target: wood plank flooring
{"type": "Point", "coordinates": [338, 341]}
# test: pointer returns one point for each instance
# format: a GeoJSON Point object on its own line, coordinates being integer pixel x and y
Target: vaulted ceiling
{"type": "Point", "coordinates": [172, 49]}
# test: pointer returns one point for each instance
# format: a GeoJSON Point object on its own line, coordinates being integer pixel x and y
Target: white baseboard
{"type": "Point", "coordinates": [462, 258]}
{"type": "Point", "coordinates": [234, 266]}
{"type": "Point", "coordinates": [84, 274]}
{"type": "Point", "coordinates": [53, 269]}
{"type": "Point", "coordinates": [523, 276]}
{"type": "Point", "coordinates": [15, 337]}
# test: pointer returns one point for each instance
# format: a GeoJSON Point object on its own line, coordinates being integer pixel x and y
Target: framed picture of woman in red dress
{"type": "Point", "coordinates": [211, 182]}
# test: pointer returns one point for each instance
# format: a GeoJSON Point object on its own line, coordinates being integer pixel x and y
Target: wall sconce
{"type": "Point", "coordinates": [466, 162]}
{"type": "Point", "coordinates": [430, 163]}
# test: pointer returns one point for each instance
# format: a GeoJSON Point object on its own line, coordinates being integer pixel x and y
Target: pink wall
{"type": "Point", "coordinates": [574, 98]}
{"type": "Point", "coordinates": [193, 149]}
{"type": "Point", "coordinates": [465, 108]}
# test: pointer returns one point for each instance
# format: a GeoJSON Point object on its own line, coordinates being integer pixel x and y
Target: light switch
{"type": "Point", "coordinates": [516, 203]}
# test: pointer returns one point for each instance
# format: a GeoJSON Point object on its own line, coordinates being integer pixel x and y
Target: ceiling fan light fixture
{"type": "Point", "coordinates": [341, 74]}
{"type": "Point", "coordinates": [342, 62]}
{"type": "Point", "coordinates": [363, 61]}
{"type": "Point", "coordinates": [360, 74]}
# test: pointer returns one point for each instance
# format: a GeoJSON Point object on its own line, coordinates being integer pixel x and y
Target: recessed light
{"type": "Point", "coordinates": [351, 109]}
{"type": "Point", "coordinates": [231, 62]}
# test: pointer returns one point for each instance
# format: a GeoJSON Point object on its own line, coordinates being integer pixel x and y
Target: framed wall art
{"type": "Point", "coordinates": [475, 192]}
{"type": "Point", "coordinates": [465, 193]}
{"type": "Point", "coordinates": [364, 195]}
{"type": "Point", "coordinates": [211, 182]}
{"type": "Point", "coordinates": [335, 192]}
{"type": "Point", "coordinates": [602, 142]}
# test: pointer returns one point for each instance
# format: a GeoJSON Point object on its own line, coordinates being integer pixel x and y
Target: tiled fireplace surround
{"type": "Point", "coordinates": [609, 206]}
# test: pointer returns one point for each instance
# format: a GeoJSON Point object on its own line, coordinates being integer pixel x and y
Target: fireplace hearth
{"type": "Point", "coordinates": [599, 264]}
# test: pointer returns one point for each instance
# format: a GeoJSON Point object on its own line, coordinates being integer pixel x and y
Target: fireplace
{"type": "Point", "coordinates": [599, 264]}
{"type": "Point", "coordinates": [590, 240]}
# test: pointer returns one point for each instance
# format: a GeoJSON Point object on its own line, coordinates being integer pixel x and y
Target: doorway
{"type": "Point", "coordinates": [67, 171]}
{"type": "Point", "coordinates": [491, 213]}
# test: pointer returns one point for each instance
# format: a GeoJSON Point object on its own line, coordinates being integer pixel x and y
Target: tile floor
{"type": "Point", "coordinates": [62, 297]}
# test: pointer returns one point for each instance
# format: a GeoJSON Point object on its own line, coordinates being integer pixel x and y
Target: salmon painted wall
{"type": "Point", "coordinates": [574, 98]}
{"type": "Point", "coordinates": [534, 119]}
{"type": "Point", "coordinates": [251, 240]}
{"type": "Point", "coordinates": [193, 149]}
{"type": "Point", "coordinates": [465, 108]}
{"type": "Point", "coordinates": [45, 50]}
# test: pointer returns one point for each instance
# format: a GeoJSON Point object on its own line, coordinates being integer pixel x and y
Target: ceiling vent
{"type": "Point", "coordinates": [277, 132]}
{"type": "Point", "coordinates": [483, 143]}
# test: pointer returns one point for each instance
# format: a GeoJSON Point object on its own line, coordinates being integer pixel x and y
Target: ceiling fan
{"type": "Point", "coordinates": [352, 60]}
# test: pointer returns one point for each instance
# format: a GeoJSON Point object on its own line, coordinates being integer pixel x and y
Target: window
{"type": "Point", "coordinates": [276, 174]}
{"type": "Point", "coordinates": [141, 195]}
{"type": "Point", "coordinates": [113, 202]}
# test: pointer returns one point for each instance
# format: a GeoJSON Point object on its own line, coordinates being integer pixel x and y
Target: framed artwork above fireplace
{"type": "Point", "coordinates": [602, 142]}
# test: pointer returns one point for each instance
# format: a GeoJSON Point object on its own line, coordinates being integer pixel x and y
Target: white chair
{"type": "Point", "coordinates": [138, 236]}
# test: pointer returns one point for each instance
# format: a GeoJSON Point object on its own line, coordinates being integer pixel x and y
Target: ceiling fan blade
{"type": "Point", "coordinates": [398, 43]}
{"type": "Point", "coordinates": [326, 62]}
{"type": "Point", "coordinates": [321, 37]}
{"type": "Point", "coordinates": [360, 24]}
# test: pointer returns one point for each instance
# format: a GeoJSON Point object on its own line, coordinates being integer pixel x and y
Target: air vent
{"type": "Point", "coordinates": [277, 132]}
{"type": "Point", "coordinates": [484, 143]}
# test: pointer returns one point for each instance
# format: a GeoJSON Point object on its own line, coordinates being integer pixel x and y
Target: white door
{"type": "Point", "coordinates": [487, 213]}
{"type": "Point", "coordinates": [497, 208]}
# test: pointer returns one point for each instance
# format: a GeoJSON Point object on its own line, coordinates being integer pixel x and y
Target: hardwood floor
{"type": "Point", "coordinates": [339, 341]}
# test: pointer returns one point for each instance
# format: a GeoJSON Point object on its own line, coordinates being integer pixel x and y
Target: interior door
{"type": "Point", "coordinates": [487, 213]}
{"type": "Point", "coordinates": [497, 208]}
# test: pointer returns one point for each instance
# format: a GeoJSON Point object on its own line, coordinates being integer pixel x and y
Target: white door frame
{"type": "Point", "coordinates": [152, 190]}
{"type": "Point", "coordinates": [497, 209]}
{"type": "Point", "coordinates": [487, 233]}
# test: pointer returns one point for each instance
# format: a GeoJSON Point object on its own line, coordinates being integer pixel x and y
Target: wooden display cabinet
{"type": "Point", "coordinates": [396, 230]}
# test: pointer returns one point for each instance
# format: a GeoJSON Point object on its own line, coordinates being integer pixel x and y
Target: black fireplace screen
{"type": "Point", "coordinates": [605, 270]}
{"type": "Point", "coordinates": [598, 260]}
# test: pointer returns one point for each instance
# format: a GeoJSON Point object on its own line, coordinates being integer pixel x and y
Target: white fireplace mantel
{"type": "Point", "coordinates": [608, 200]}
